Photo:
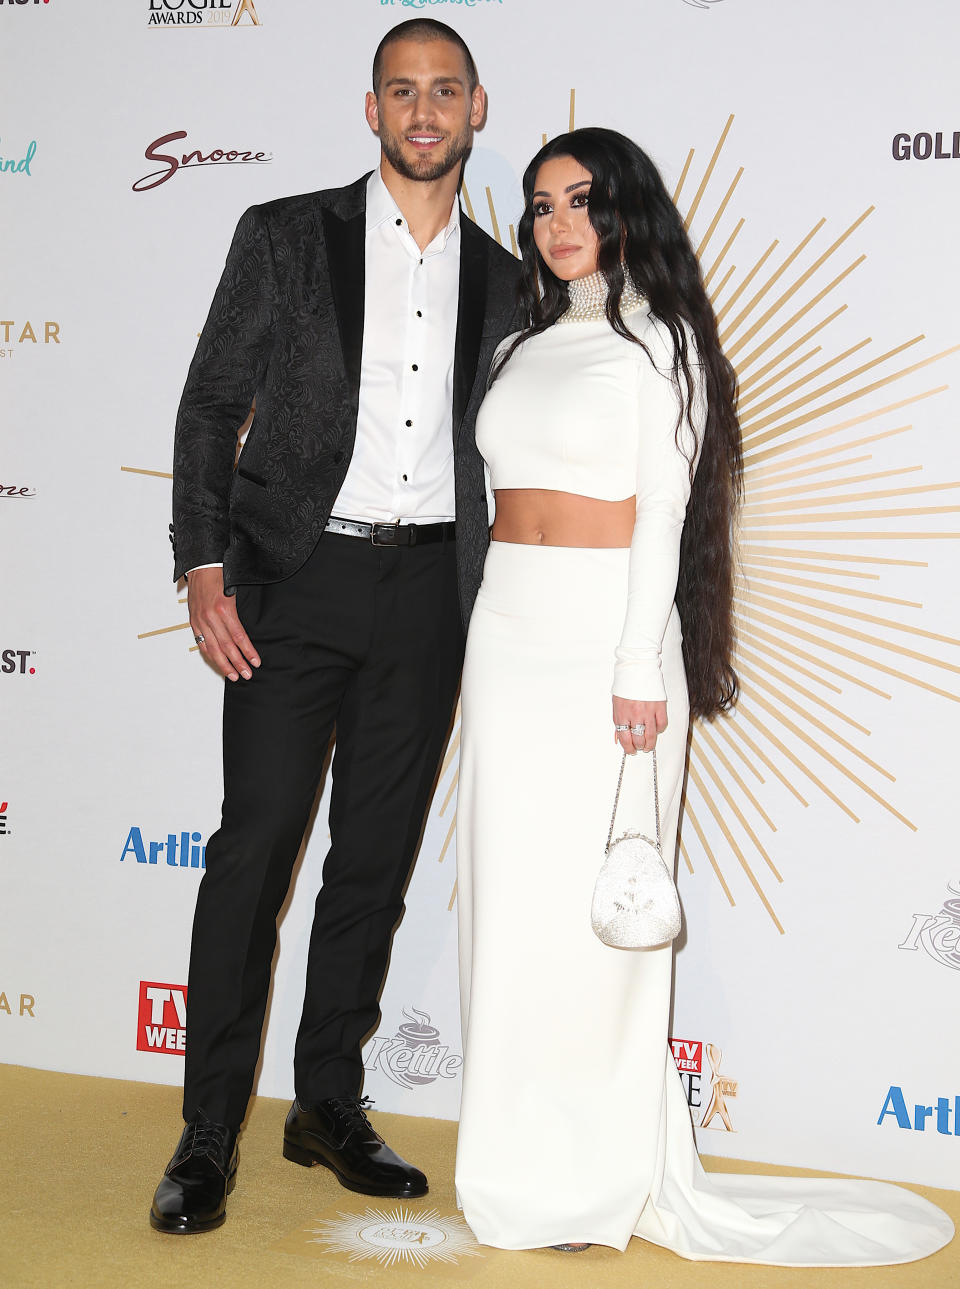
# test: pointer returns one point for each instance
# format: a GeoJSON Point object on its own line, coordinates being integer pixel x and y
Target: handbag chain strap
{"type": "Point", "coordinates": [656, 801]}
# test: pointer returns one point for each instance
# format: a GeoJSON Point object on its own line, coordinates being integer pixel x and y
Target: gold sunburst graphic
{"type": "Point", "coordinates": [397, 1237]}
{"type": "Point", "coordinates": [812, 626]}
{"type": "Point", "coordinates": [820, 527]}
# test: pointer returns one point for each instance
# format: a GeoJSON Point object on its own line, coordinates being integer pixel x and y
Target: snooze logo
{"type": "Point", "coordinates": [202, 13]}
{"type": "Point", "coordinates": [172, 162]}
{"type": "Point", "coordinates": [688, 1057]}
{"type": "Point", "coordinates": [162, 1018]}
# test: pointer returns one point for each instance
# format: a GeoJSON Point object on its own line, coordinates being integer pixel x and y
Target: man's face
{"type": "Point", "coordinates": [425, 113]}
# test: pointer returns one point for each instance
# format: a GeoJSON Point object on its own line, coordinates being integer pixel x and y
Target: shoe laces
{"type": "Point", "coordinates": [207, 1138]}
{"type": "Point", "coordinates": [352, 1111]}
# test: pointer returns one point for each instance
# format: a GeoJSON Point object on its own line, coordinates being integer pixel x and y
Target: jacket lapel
{"type": "Point", "coordinates": [473, 300]}
{"type": "Point", "coordinates": [344, 239]}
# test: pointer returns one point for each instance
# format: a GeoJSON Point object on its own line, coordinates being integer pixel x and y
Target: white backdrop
{"type": "Point", "coordinates": [819, 875]}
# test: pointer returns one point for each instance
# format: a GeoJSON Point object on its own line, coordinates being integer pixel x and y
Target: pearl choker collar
{"type": "Point", "coordinates": [588, 299]}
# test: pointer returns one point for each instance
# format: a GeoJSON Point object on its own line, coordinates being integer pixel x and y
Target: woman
{"type": "Point", "coordinates": [611, 437]}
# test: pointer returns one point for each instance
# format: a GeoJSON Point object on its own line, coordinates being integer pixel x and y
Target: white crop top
{"type": "Point", "coordinates": [580, 409]}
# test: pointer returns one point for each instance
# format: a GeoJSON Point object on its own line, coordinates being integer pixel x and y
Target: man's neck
{"type": "Point", "coordinates": [425, 206]}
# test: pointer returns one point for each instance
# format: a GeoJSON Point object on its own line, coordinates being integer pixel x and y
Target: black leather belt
{"type": "Point", "coordinates": [393, 534]}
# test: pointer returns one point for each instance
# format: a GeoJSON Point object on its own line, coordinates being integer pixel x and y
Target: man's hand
{"type": "Point", "coordinates": [213, 616]}
{"type": "Point", "coordinates": [630, 714]}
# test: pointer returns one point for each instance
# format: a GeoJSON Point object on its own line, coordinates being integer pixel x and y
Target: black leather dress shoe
{"type": "Point", "coordinates": [338, 1134]}
{"type": "Point", "coordinates": [192, 1195]}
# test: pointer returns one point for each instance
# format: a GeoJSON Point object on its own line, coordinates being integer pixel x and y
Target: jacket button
{"type": "Point", "coordinates": [337, 458]}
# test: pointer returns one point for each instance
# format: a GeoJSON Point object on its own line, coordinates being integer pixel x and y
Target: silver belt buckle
{"type": "Point", "coordinates": [394, 524]}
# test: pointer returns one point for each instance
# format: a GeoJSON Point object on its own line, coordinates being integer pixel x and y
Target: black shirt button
{"type": "Point", "coordinates": [415, 367]}
{"type": "Point", "coordinates": [399, 222]}
{"type": "Point", "coordinates": [408, 423]}
{"type": "Point", "coordinates": [419, 314]}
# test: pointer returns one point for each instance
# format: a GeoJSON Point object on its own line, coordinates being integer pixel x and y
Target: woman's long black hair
{"type": "Point", "coordinates": [639, 230]}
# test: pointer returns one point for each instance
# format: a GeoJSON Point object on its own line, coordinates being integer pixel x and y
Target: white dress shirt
{"type": "Point", "coordinates": [402, 463]}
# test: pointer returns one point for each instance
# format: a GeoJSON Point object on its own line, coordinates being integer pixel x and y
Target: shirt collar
{"type": "Point", "coordinates": [381, 207]}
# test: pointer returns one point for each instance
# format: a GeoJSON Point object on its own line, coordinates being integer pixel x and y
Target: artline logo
{"type": "Point", "coordinates": [4, 819]}
{"type": "Point", "coordinates": [203, 13]}
{"type": "Point", "coordinates": [15, 662]}
{"type": "Point", "coordinates": [938, 934]}
{"type": "Point", "coordinates": [19, 165]}
{"type": "Point", "coordinates": [923, 146]}
{"type": "Point", "coordinates": [414, 1056]}
{"type": "Point", "coordinates": [688, 1058]}
{"type": "Point", "coordinates": [176, 851]}
{"type": "Point", "coordinates": [22, 1005]}
{"type": "Point", "coordinates": [895, 1105]}
{"type": "Point", "coordinates": [162, 1018]}
{"type": "Point", "coordinates": [14, 490]}
{"type": "Point", "coordinates": [172, 162]}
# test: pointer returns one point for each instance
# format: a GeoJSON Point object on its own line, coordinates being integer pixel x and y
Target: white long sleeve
{"type": "Point", "coordinates": [664, 453]}
{"type": "Point", "coordinates": [580, 409]}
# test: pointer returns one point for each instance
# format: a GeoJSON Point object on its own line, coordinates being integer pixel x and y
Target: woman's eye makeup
{"type": "Point", "coordinates": [578, 201]}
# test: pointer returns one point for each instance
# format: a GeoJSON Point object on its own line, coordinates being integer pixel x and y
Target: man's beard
{"type": "Point", "coordinates": [426, 167]}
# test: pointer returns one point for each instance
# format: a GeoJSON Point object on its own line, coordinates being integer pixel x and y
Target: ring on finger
{"type": "Point", "coordinates": [621, 729]}
{"type": "Point", "coordinates": [638, 730]}
{"type": "Point", "coordinates": [200, 639]}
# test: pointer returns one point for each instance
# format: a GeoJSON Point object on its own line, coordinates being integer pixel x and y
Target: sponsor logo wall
{"type": "Point", "coordinates": [819, 905]}
{"type": "Point", "coordinates": [162, 1018]}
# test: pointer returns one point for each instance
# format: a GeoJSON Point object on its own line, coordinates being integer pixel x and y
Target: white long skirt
{"type": "Point", "coordinates": [573, 1123]}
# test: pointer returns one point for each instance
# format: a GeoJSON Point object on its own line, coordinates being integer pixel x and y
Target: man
{"type": "Point", "coordinates": [329, 584]}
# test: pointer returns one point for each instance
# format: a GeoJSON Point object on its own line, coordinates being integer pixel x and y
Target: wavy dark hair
{"type": "Point", "coordinates": [640, 231]}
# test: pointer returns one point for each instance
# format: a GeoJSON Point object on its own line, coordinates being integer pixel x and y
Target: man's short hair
{"type": "Point", "coordinates": [424, 30]}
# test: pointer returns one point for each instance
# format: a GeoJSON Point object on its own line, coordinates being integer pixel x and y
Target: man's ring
{"type": "Point", "coordinates": [638, 730]}
{"type": "Point", "coordinates": [199, 639]}
{"type": "Point", "coordinates": [621, 729]}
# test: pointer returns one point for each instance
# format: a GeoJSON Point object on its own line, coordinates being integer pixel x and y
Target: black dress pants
{"type": "Point", "coordinates": [367, 639]}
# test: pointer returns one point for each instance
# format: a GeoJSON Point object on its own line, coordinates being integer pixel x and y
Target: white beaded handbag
{"type": "Point", "coordinates": [635, 903]}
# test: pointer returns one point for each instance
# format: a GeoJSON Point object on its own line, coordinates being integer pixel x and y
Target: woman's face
{"type": "Point", "coordinates": [561, 225]}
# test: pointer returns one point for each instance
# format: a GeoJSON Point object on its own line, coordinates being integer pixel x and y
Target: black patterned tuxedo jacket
{"type": "Point", "coordinates": [286, 328]}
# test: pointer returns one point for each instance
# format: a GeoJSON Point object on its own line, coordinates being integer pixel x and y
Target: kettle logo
{"type": "Point", "coordinates": [414, 1056]}
{"type": "Point", "coordinates": [938, 934]}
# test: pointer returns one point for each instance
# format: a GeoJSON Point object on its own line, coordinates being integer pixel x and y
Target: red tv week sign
{"type": "Point", "coordinates": [687, 1055]}
{"type": "Point", "coordinates": [162, 1019]}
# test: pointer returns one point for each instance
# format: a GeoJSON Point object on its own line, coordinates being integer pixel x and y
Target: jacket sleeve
{"type": "Point", "coordinates": [227, 367]}
{"type": "Point", "coordinates": [663, 488]}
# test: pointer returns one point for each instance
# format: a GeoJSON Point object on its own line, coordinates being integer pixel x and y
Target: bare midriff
{"type": "Point", "coordinates": [540, 517]}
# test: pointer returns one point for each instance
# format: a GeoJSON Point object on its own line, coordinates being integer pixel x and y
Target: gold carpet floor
{"type": "Point", "coordinates": [80, 1157]}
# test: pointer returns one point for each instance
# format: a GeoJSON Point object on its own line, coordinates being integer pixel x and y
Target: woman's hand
{"type": "Point", "coordinates": [629, 715]}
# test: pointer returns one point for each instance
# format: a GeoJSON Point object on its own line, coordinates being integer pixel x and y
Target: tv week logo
{"type": "Point", "coordinates": [162, 1020]}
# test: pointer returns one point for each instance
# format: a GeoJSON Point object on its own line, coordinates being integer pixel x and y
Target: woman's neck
{"type": "Point", "coordinates": [588, 298]}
